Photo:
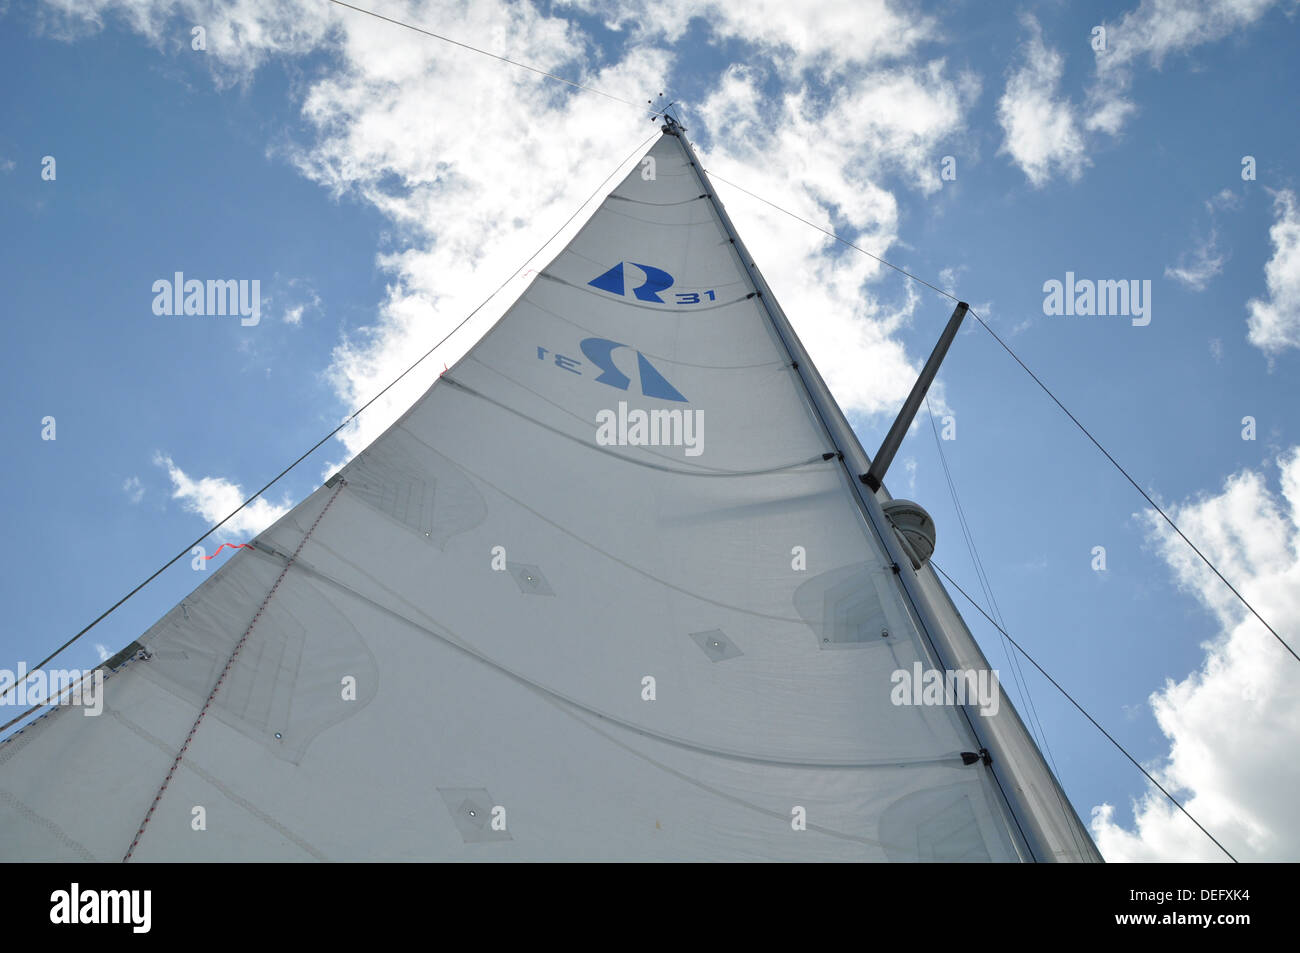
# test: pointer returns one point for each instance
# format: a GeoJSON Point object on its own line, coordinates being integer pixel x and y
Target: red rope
{"type": "Point", "coordinates": [224, 672]}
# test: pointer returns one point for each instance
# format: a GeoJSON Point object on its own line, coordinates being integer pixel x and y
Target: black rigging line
{"type": "Point", "coordinates": [1070, 697]}
{"type": "Point", "coordinates": [103, 615]}
{"type": "Point", "coordinates": [981, 574]}
{"type": "Point", "coordinates": [495, 56]}
{"type": "Point", "coordinates": [1047, 390]}
{"type": "Point", "coordinates": [1154, 505]}
{"type": "Point", "coordinates": [882, 261]}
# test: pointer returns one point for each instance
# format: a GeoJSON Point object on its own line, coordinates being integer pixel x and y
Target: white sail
{"type": "Point", "coordinates": [605, 592]}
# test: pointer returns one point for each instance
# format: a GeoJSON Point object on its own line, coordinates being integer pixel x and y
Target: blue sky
{"type": "Point", "coordinates": [380, 184]}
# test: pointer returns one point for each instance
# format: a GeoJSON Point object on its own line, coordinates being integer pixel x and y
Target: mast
{"type": "Point", "coordinates": [1049, 828]}
{"type": "Point", "coordinates": [309, 666]}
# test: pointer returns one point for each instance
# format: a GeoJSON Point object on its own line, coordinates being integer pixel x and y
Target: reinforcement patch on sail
{"type": "Point", "coordinates": [847, 607]}
{"type": "Point", "coordinates": [414, 484]}
{"type": "Point", "coordinates": [592, 624]}
{"type": "Point", "coordinates": [303, 668]}
{"type": "Point", "coordinates": [938, 825]}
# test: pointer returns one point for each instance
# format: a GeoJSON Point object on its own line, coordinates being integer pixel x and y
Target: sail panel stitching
{"type": "Point", "coordinates": [226, 671]}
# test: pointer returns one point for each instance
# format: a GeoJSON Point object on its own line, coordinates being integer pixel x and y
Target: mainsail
{"type": "Point", "coordinates": [610, 590]}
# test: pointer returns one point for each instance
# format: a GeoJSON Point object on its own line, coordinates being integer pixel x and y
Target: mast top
{"type": "Point", "coordinates": [671, 125]}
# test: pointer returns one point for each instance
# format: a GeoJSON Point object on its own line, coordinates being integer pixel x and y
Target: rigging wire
{"type": "Point", "coordinates": [495, 56]}
{"type": "Point", "coordinates": [981, 574]}
{"type": "Point", "coordinates": [982, 577]}
{"type": "Point", "coordinates": [1024, 688]}
{"type": "Point", "coordinates": [947, 294]}
{"type": "Point", "coordinates": [831, 234]}
{"type": "Point", "coordinates": [1047, 390]}
{"type": "Point", "coordinates": [1083, 710]}
{"type": "Point", "coordinates": [347, 420]}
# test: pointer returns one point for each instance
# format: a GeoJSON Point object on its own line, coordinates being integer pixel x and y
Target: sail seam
{"type": "Point", "coordinates": [623, 562]}
{"type": "Point", "coordinates": [269, 820]}
{"type": "Point", "coordinates": [779, 328]}
{"type": "Point", "coordinates": [226, 671]}
{"type": "Point", "coordinates": [624, 198]}
{"type": "Point", "coordinates": [702, 472]}
{"type": "Point", "coordinates": [108, 673]}
{"type": "Point", "coordinates": [1025, 367]}
{"type": "Point", "coordinates": [1084, 712]}
{"type": "Point", "coordinates": [457, 642]}
{"type": "Point", "coordinates": [26, 812]}
{"type": "Point", "coordinates": [718, 792]}
{"type": "Point", "coordinates": [212, 529]}
{"type": "Point", "coordinates": [667, 358]}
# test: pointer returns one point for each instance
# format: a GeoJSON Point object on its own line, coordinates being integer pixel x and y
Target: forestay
{"type": "Point", "coordinates": [602, 593]}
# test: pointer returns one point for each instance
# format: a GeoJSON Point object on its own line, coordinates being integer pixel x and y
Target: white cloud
{"type": "Point", "coordinates": [824, 162]}
{"type": "Point", "coordinates": [467, 209]}
{"type": "Point", "coordinates": [1225, 200]}
{"type": "Point", "coordinates": [1274, 322]}
{"type": "Point", "coordinates": [103, 652]}
{"type": "Point", "coordinates": [795, 35]}
{"type": "Point", "coordinates": [7, 165]}
{"type": "Point", "coordinates": [1205, 261]}
{"type": "Point", "coordinates": [134, 489]}
{"type": "Point", "coordinates": [214, 498]}
{"type": "Point", "coordinates": [240, 35]}
{"type": "Point", "coordinates": [1107, 113]}
{"type": "Point", "coordinates": [1047, 134]}
{"type": "Point", "coordinates": [1157, 28]}
{"type": "Point", "coordinates": [1216, 350]}
{"type": "Point", "coordinates": [1148, 34]}
{"type": "Point", "coordinates": [1195, 270]}
{"type": "Point", "coordinates": [301, 296]}
{"type": "Point", "coordinates": [1041, 129]}
{"type": "Point", "coordinates": [948, 277]}
{"type": "Point", "coordinates": [1232, 725]}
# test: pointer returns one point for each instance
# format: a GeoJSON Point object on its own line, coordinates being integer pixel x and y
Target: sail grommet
{"type": "Point", "coordinates": [476, 814]}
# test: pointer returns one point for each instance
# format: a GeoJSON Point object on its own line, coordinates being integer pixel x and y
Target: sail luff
{"type": "Point", "coordinates": [1024, 778]}
{"type": "Point", "coordinates": [530, 629]}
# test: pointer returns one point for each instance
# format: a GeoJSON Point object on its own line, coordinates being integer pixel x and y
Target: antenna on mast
{"type": "Point", "coordinates": [672, 125]}
{"type": "Point", "coordinates": [663, 111]}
